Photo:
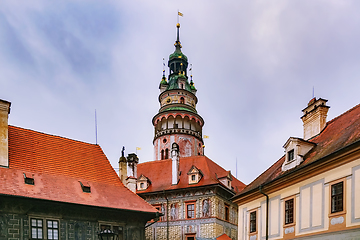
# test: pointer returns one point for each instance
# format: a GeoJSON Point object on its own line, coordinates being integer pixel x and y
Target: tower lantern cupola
{"type": "Point", "coordinates": [177, 120]}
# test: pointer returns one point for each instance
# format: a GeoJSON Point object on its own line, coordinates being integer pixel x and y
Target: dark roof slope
{"type": "Point", "coordinates": [337, 134]}
{"type": "Point", "coordinates": [58, 165]}
{"type": "Point", "coordinates": [159, 173]}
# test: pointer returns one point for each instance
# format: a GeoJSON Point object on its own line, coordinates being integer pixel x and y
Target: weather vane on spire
{"type": "Point", "coordinates": [179, 14]}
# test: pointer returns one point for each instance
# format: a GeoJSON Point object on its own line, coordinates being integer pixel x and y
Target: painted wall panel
{"type": "Point", "coordinates": [305, 208]}
{"type": "Point", "coordinates": [356, 193]}
{"type": "Point", "coordinates": [317, 205]}
{"type": "Point", "coordinates": [274, 213]}
{"type": "Point", "coordinates": [263, 219]}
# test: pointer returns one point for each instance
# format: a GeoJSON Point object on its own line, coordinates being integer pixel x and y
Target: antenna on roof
{"type": "Point", "coordinates": [313, 92]}
{"type": "Point", "coordinates": [236, 169]}
{"type": "Point", "coordinates": [95, 128]}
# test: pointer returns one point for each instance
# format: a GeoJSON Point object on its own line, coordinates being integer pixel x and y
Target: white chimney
{"type": "Point", "coordinates": [4, 148]}
{"type": "Point", "coordinates": [314, 117]}
{"type": "Point", "coordinates": [175, 163]}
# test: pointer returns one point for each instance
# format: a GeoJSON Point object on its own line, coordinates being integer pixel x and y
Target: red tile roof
{"type": "Point", "coordinates": [223, 237]}
{"type": "Point", "coordinates": [58, 164]}
{"type": "Point", "coordinates": [159, 173]}
{"type": "Point", "coordinates": [338, 133]}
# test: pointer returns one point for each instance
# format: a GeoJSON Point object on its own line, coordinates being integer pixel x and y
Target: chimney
{"type": "Point", "coordinates": [132, 161]}
{"type": "Point", "coordinates": [175, 163]}
{"type": "Point", "coordinates": [4, 149]}
{"type": "Point", "coordinates": [314, 117]}
{"type": "Point", "coordinates": [123, 167]}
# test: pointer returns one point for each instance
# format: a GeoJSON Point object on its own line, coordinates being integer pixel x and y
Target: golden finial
{"type": "Point", "coordinates": [178, 25]}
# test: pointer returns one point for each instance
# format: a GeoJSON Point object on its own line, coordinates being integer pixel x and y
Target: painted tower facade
{"type": "Point", "coordinates": [177, 120]}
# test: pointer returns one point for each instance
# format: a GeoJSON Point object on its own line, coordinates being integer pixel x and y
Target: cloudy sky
{"type": "Point", "coordinates": [255, 64]}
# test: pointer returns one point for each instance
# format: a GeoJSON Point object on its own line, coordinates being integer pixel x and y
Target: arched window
{"type": "Point", "coordinates": [166, 153]}
{"type": "Point", "coordinates": [181, 86]}
{"type": "Point", "coordinates": [162, 154]}
{"type": "Point", "coordinates": [182, 100]}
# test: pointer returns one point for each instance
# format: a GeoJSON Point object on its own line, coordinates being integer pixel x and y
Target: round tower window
{"type": "Point", "coordinates": [164, 141]}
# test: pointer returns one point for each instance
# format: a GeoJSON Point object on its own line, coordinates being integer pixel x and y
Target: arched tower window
{"type": "Point", "coordinates": [162, 154]}
{"type": "Point", "coordinates": [182, 100]}
{"type": "Point", "coordinates": [166, 153]}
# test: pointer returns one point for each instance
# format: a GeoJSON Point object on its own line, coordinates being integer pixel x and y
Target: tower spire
{"type": "Point", "coordinates": [177, 42]}
{"type": "Point", "coordinates": [177, 120]}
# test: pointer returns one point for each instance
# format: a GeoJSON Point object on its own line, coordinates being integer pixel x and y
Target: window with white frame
{"type": "Point", "coordinates": [44, 228]}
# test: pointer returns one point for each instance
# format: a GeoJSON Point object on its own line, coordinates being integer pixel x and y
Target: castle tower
{"type": "Point", "coordinates": [177, 120]}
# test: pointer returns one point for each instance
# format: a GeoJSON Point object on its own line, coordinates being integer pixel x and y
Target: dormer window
{"type": "Point", "coordinates": [225, 179]}
{"type": "Point", "coordinates": [295, 150]}
{"type": "Point", "coordinates": [29, 179]}
{"type": "Point", "coordinates": [143, 183]}
{"type": "Point", "coordinates": [195, 175]}
{"type": "Point", "coordinates": [85, 187]}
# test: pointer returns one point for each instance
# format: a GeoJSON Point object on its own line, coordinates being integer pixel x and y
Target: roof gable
{"type": "Point", "coordinates": [338, 133]}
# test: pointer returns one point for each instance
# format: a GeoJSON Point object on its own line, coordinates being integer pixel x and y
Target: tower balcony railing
{"type": "Point", "coordinates": [162, 132]}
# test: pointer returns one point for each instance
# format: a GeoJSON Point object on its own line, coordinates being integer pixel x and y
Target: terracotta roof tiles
{"type": "Point", "coordinates": [58, 165]}
{"type": "Point", "coordinates": [159, 173]}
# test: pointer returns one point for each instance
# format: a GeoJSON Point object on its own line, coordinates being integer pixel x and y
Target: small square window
{"type": "Point", "coordinates": [29, 180]}
{"type": "Point", "coordinates": [193, 177]}
{"type": "Point", "coordinates": [85, 187]}
{"type": "Point", "coordinates": [141, 185]}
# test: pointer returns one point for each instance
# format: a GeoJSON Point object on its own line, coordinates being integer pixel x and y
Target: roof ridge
{"type": "Point", "coordinates": [334, 119]}
{"type": "Point", "coordinates": [154, 161]}
{"type": "Point", "coordinates": [52, 135]}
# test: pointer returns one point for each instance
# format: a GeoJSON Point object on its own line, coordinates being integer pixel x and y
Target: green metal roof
{"type": "Point", "coordinates": [173, 83]}
{"type": "Point", "coordinates": [178, 54]}
{"type": "Point", "coordinates": [179, 108]}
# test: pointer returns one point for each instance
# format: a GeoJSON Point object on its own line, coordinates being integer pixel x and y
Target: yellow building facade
{"type": "Point", "coordinates": [313, 191]}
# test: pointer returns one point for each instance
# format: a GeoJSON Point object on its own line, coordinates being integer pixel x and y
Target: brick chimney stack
{"type": "Point", "coordinates": [4, 149]}
{"type": "Point", "coordinates": [314, 117]}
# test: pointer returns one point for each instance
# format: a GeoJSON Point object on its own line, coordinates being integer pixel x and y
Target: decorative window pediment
{"type": "Point", "coordinates": [295, 150]}
{"type": "Point", "coordinates": [143, 183]}
{"type": "Point", "coordinates": [226, 179]}
{"type": "Point", "coordinates": [195, 175]}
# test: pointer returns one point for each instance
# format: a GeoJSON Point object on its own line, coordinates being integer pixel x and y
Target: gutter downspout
{"type": "Point", "coordinates": [157, 218]}
{"type": "Point", "coordinates": [267, 212]}
{"type": "Point", "coordinates": [167, 216]}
